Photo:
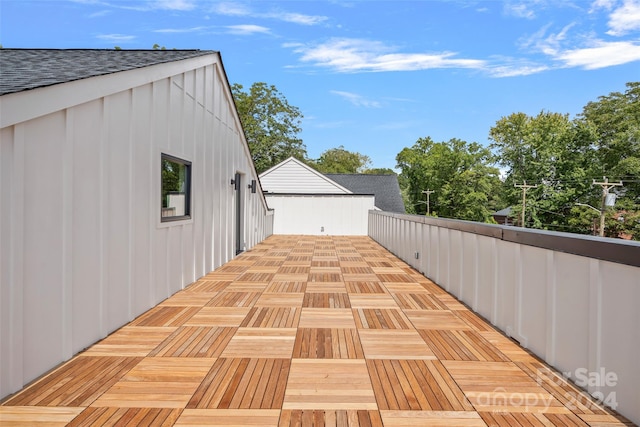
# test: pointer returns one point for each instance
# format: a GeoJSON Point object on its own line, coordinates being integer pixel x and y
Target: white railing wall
{"type": "Point", "coordinates": [572, 300]}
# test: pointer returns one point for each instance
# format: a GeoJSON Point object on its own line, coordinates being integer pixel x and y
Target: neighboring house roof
{"type": "Point", "coordinates": [503, 212]}
{"type": "Point", "coordinates": [385, 188]}
{"type": "Point", "coordinates": [294, 177]}
{"type": "Point", "coordinates": [25, 69]}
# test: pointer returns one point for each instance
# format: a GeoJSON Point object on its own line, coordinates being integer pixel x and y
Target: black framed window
{"type": "Point", "coordinates": [176, 189]}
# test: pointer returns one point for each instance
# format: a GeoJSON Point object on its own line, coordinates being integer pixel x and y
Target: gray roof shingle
{"type": "Point", "coordinates": [385, 188]}
{"type": "Point", "coordinates": [25, 69]}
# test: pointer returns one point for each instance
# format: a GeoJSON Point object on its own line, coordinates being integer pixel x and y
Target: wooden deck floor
{"type": "Point", "coordinates": [306, 331]}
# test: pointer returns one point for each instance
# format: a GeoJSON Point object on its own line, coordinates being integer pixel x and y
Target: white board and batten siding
{"type": "Point", "coordinates": [82, 248]}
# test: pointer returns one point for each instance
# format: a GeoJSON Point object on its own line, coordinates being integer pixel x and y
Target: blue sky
{"type": "Point", "coordinates": [373, 76]}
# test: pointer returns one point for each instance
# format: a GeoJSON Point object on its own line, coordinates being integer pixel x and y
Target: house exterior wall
{"type": "Point", "coordinates": [82, 248]}
{"type": "Point", "coordinates": [314, 214]}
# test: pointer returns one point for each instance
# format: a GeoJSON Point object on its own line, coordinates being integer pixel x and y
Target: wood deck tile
{"type": "Point", "coordinates": [372, 301]}
{"type": "Point", "coordinates": [194, 341]}
{"type": "Point", "coordinates": [432, 419]}
{"type": "Point", "coordinates": [157, 382]}
{"type": "Point", "coordinates": [165, 316]}
{"type": "Point", "coordinates": [365, 287]}
{"type": "Point", "coordinates": [394, 344]}
{"type": "Point", "coordinates": [329, 384]}
{"type": "Point", "coordinates": [326, 318]}
{"type": "Point", "coordinates": [330, 418]}
{"type": "Point", "coordinates": [280, 300]}
{"type": "Point", "coordinates": [229, 417]}
{"type": "Point", "coordinates": [219, 316]}
{"type": "Point", "coordinates": [272, 343]}
{"type": "Point", "coordinates": [436, 319]}
{"type": "Point", "coordinates": [501, 386]}
{"type": "Point", "coordinates": [418, 301]}
{"type": "Point", "coordinates": [112, 416]}
{"type": "Point", "coordinates": [326, 343]}
{"type": "Point", "coordinates": [338, 287]}
{"type": "Point", "coordinates": [234, 299]}
{"type": "Point", "coordinates": [418, 385]}
{"type": "Point", "coordinates": [207, 286]}
{"type": "Point", "coordinates": [246, 287]}
{"type": "Point", "coordinates": [272, 317]}
{"type": "Point", "coordinates": [184, 298]}
{"type": "Point", "coordinates": [461, 345]}
{"type": "Point", "coordinates": [11, 416]}
{"type": "Point", "coordinates": [287, 286]}
{"type": "Point", "coordinates": [243, 384]}
{"type": "Point", "coordinates": [326, 300]}
{"type": "Point", "coordinates": [76, 383]}
{"type": "Point", "coordinates": [132, 341]}
{"type": "Point", "coordinates": [381, 318]}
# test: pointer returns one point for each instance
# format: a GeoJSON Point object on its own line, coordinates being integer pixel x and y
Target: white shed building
{"type": "Point", "coordinates": [124, 177]}
{"type": "Point", "coordinates": [308, 202]}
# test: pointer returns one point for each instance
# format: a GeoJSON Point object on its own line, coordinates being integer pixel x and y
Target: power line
{"type": "Point", "coordinates": [606, 186]}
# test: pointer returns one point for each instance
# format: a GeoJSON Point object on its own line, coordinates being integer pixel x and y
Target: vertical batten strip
{"type": "Point", "coordinates": [67, 166]}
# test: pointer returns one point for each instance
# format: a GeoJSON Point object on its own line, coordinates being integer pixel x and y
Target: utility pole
{"type": "Point", "coordinates": [428, 192]}
{"type": "Point", "coordinates": [606, 186]}
{"type": "Point", "coordinates": [524, 187]}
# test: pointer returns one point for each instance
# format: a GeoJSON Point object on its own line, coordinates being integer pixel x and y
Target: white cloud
{"type": "Point", "coordinates": [231, 9]}
{"type": "Point", "coordinates": [174, 4]}
{"type": "Point", "coordinates": [600, 55]}
{"type": "Point", "coordinates": [180, 30]}
{"type": "Point", "coordinates": [602, 4]}
{"type": "Point", "coordinates": [236, 9]}
{"type": "Point", "coordinates": [116, 38]}
{"type": "Point", "coordinates": [100, 14]}
{"type": "Point", "coordinates": [245, 30]}
{"type": "Point", "coordinates": [520, 9]}
{"type": "Point", "coordinates": [625, 19]}
{"type": "Point", "coordinates": [357, 55]}
{"type": "Point", "coordinates": [357, 100]}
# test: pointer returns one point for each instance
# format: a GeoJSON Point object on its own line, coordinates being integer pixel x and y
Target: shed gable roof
{"type": "Point", "coordinates": [25, 69]}
{"type": "Point", "coordinates": [384, 187]}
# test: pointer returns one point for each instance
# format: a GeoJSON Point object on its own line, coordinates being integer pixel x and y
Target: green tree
{"type": "Point", "coordinates": [465, 182]}
{"type": "Point", "coordinates": [270, 124]}
{"type": "Point", "coordinates": [379, 171]}
{"type": "Point", "coordinates": [340, 160]}
{"type": "Point", "coordinates": [554, 153]}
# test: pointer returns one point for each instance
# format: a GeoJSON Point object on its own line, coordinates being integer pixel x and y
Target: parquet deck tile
{"type": "Point", "coordinates": [111, 416]}
{"type": "Point", "coordinates": [307, 331]}
{"type": "Point", "coordinates": [244, 383]}
{"type": "Point", "coordinates": [326, 300]}
{"type": "Point", "coordinates": [432, 419]}
{"type": "Point", "coordinates": [326, 343]}
{"type": "Point", "coordinates": [329, 384]}
{"type": "Point", "coordinates": [330, 418]}
{"type": "Point", "coordinates": [461, 345]}
{"type": "Point", "coordinates": [394, 344]}
{"type": "Point", "coordinates": [234, 299]}
{"type": "Point", "coordinates": [165, 316]}
{"type": "Point", "coordinates": [273, 343]}
{"type": "Point", "coordinates": [381, 318]}
{"type": "Point", "coordinates": [129, 341]}
{"type": "Point", "coordinates": [194, 341]}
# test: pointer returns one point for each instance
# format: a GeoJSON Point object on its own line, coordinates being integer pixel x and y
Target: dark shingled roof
{"type": "Point", "coordinates": [384, 187]}
{"type": "Point", "coordinates": [24, 69]}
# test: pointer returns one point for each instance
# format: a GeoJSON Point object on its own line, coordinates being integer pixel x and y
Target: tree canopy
{"type": "Point", "coordinates": [340, 160]}
{"type": "Point", "coordinates": [270, 123]}
{"type": "Point", "coordinates": [465, 184]}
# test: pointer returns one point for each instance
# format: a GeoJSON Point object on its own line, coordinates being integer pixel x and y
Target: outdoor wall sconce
{"type": "Point", "coordinates": [233, 182]}
{"type": "Point", "coordinates": [252, 186]}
